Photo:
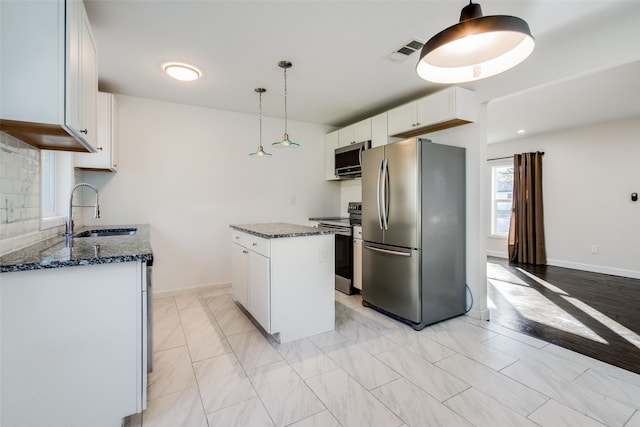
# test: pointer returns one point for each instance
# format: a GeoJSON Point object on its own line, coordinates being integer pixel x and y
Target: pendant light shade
{"type": "Point", "coordinates": [475, 48]}
{"type": "Point", "coordinates": [260, 151]}
{"type": "Point", "coordinates": [285, 142]}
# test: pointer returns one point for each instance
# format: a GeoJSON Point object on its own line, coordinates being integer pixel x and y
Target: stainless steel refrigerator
{"type": "Point", "coordinates": [413, 228]}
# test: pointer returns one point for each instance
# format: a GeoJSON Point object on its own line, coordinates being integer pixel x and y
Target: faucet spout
{"type": "Point", "coordinates": [96, 208]}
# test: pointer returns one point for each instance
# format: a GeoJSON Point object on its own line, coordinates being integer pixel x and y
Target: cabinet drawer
{"type": "Point", "coordinates": [251, 242]}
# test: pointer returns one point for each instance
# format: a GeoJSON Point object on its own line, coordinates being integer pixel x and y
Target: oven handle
{"type": "Point", "coordinates": [387, 251]}
{"type": "Point", "coordinates": [335, 228]}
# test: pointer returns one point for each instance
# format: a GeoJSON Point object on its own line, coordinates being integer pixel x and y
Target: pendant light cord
{"type": "Point", "coordinates": [285, 101]}
{"type": "Point", "coordinates": [260, 111]}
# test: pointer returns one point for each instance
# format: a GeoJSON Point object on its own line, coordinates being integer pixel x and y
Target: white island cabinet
{"type": "Point", "coordinates": [283, 275]}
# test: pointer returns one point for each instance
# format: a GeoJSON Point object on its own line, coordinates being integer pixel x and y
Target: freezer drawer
{"type": "Point", "coordinates": [391, 280]}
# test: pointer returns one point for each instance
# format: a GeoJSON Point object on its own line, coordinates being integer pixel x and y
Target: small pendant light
{"type": "Point", "coordinates": [475, 48]}
{"type": "Point", "coordinates": [285, 142]}
{"type": "Point", "coordinates": [260, 151]}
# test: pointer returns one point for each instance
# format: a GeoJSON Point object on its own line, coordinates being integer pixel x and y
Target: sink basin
{"type": "Point", "coordinates": [108, 232]}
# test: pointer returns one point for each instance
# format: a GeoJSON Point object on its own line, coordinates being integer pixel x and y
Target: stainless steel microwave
{"type": "Point", "coordinates": [349, 159]}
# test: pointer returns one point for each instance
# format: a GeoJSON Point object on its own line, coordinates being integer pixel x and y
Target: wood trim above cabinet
{"type": "Point", "coordinates": [44, 136]}
{"type": "Point", "coordinates": [432, 128]}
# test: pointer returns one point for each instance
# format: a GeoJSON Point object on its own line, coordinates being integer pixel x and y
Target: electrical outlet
{"type": "Point", "coordinates": [594, 249]}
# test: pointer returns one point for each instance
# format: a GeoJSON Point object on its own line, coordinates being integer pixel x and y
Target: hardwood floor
{"type": "Point", "coordinates": [597, 315]}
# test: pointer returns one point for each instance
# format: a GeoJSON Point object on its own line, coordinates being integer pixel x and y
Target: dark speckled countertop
{"type": "Point", "coordinates": [279, 229]}
{"type": "Point", "coordinates": [54, 253]}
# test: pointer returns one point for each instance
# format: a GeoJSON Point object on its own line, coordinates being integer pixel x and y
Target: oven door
{"type": "Point", "coordinates": [344, 257]}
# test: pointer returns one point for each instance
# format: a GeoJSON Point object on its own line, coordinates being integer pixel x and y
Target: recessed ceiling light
{"type": "Point", "coordinates": [183, 72]}
{"type": "Point", "coordinates": [520, 130]}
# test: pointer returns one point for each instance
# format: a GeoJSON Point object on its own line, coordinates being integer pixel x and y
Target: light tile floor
{"type": "Point", "coordinates": [214, 367]}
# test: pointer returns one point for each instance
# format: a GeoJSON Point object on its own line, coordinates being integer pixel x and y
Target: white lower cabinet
{"type": "Point", "coordinates": [259, 289]}
{"type": "Point", "coordinates": [240, 273]}
{"type": "Point", "coordinates": [73, 345]}
{"type": "Point", "coordinates": [286, 284]}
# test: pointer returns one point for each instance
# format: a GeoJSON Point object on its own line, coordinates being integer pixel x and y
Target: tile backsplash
{"type": "Point", "coordinates": [20, 195]}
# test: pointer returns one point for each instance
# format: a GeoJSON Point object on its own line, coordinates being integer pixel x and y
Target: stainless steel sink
{"type": "Point", "coordinates": [108, 232]}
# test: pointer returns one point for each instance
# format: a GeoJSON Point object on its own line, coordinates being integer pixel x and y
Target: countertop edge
{"type": "Point", "coordinates": [131, 249]}
{"type": "Point", "coordinates": [279, 230]}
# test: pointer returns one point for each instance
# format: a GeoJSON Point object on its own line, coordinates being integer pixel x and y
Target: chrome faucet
{"type": "Point", "coordinates": [96, 208]}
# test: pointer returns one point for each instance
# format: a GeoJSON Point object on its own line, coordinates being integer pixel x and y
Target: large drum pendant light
{"type": "Point", "coordinates": [260, 151]}
{"type": "Point", "coordinates": [285, 142]}
{"type": "Point", "coordinates": [475, 48]}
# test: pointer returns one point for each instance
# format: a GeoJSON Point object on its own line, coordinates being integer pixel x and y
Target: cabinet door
{"type": "Point", "coordinates": [436, 108]}
{"type": "Point", "coordinates": [82, 75]}
{"type": "Point", "coordinates": [402, 119]}
{"type": "Point", "coordinates": [362, 130]}
{"type": "Point", "coordinates": [357, 263]}
{"type": "Point", "coordinates": [379, 133]}
{"type": "Point", "coordinates": [88, 82]}
{"type": "Point", "coordinates": [240, 273]}
{"type": "Point", "coordinates": [331, 142]}
{"type": "Point", "coordinates": [345, 136]}
{"type": "Point", "coordinates": [260, 289]}
{"type": "Point", "coordinates": [105, 158]}
{"type": "Point", "coordinates": [357, 132]}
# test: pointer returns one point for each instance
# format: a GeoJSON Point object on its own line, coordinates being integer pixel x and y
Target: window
{"type": "Point", "coordinates": [56, 172]}
{"type": "Point", "coordinates": [501, 197]}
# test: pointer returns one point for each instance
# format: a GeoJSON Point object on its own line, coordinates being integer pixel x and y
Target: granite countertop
{"type": "Point", "coordinates": [54, 253]}
{"type": "Point", "coordinates": [279, 229]}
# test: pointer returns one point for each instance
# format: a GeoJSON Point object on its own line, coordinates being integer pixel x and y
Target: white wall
{"type": "Point", "coordinates": [588, 177]}
{"type": "Point", "coordinates": [186, 171]}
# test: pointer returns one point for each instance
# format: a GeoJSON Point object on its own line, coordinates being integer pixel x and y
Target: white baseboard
{"type": "Point", "coordinates": [182, 291]}
{"type": "Point", "coordinates": [498, 254]}
{"type": "Point", "coordinates": [595, 268]}
{"type": "Point", "coordinates": [483, 314]}
{"type": "Point", "coordinates": [579, 266]}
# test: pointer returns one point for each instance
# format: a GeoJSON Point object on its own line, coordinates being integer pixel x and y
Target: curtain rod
{"type": "Point", "coordinates": [511, 157]}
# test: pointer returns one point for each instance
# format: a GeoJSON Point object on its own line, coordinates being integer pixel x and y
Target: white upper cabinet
{"type": "Point", "coordinates": [331, 142]}
{"type": "Point", "coordinates": [450, 107]}
{"type": "Point", "coordinates": [379, 131]}
{"type": "Point", "coordinates": [48, 74]}
{"type": "Point", "coordinates": [357, 132]}
{"type": "Point", "coordinates": [106, 156]}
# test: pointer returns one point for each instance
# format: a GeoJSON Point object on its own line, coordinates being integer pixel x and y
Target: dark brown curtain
{"type": "Point", "coordinates": [526, 232]}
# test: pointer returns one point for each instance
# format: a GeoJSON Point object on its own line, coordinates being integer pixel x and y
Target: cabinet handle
{"type": "Point", "coordinates": [99, 148]}
{"type": "Point", "coordinates": [418, 124]}
{"type": "Point", "coordinates": [245, 252]}
{"type": "Point", "coordinates": [255, 244]}
{"type": "Point", "coordinates": [115, 165]}
{"type": "Point", "coordinates": [84, 131]}
{"type": "Point", "coordinates": [237, 237]}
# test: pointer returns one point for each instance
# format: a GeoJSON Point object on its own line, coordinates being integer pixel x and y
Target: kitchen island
{"type": "Point", "coordinates": [74, 329]}
{"type": "Point", "coordinates": [283, 275]}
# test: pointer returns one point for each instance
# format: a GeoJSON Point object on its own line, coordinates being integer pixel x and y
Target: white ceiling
{"type": "Point", "coordinates": [584, 68]}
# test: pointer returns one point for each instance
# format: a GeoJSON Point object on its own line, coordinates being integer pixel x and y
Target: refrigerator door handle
{"type": "Point", "coordinates": [385, 196]}
{"type": "Point", "coordinates": [380, 223]}
{"type": "Point", "coordinates": [387, 251]}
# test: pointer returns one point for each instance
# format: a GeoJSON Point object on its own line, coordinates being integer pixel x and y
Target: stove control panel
{"type": "Point", "coordinates": [355, 208]}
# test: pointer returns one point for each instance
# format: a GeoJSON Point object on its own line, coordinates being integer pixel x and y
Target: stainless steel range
{"type": "Point", "coordinates": [343, 228]}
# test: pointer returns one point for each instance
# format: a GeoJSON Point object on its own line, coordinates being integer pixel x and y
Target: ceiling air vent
{"type": "Point", "coordinates": [404, 51]}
